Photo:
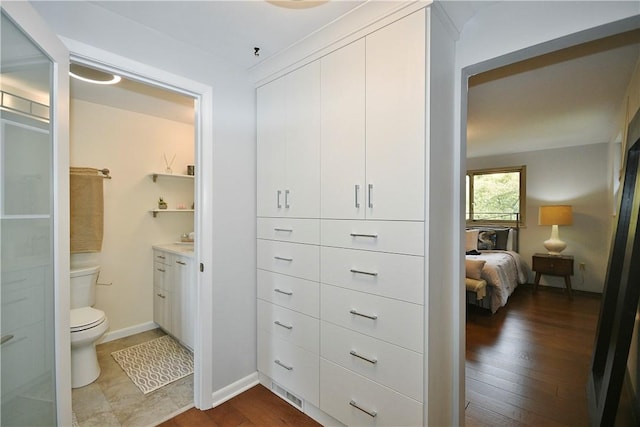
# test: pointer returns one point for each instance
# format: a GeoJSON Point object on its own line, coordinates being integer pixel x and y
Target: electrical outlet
{"type": "Point", "coordinates": [583, 266]}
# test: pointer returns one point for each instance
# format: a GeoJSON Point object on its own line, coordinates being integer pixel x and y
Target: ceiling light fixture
{"type": "Point", "coordinates": [297, 4]}
{"type": "Point", "coordinates": [91, 75]}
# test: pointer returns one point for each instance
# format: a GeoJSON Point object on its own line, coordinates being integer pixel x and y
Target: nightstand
{"type": "Point", "coordinates": [553, 265]}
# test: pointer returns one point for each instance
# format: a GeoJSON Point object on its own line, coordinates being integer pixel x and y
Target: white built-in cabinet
{"type": "Point", "coordinates": [341, 314]}
{"type": "Point", "coordinates": [174, 295]}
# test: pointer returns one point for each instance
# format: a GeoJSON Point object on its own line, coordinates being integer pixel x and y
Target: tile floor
{"type": "Point", "coordinates": [113, 400]}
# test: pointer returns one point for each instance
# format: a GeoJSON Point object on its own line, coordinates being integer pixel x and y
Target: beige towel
{"type": "Point", "coordinates": [87, 210]}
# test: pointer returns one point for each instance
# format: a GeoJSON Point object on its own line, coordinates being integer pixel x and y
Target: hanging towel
{"type": "Point", "coordinates": [87, 210]}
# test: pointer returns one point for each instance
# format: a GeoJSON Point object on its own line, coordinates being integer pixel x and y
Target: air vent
{"type": "Point", "coordinates": [285, 394]}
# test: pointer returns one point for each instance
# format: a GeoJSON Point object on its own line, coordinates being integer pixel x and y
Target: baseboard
{"type": "Point", "coordinates": [234, 389]}
{"type": "Point", "coordinates": [125, 332]}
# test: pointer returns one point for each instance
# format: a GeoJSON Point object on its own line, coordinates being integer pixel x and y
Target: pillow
{"type": "Point", "coordinates": [474, 268]}
{"type": "Point", "coordinates": [502, 239]}
{"type": "Point", "coordinates": [472, 240]}
{"type": "Point", "coordinates": [487, 240]}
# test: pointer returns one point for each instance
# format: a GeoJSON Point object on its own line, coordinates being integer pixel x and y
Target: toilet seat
{"type": "Point", "coordinates": [86, 318]}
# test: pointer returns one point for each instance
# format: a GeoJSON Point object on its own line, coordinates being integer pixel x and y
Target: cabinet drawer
{"type": "Point", "coordinates": [342, 390]}
{"type": "Point", "coordinates": [162, 257]}
{"type": "Point", "coordinates": [293, 259]}
{"type": "Point", "coordinates": [296, 328]}
{"type": "Point", "coordinates": [296, 369]}
{"type": "Point", "coordinates": [290, 292]}
{"type": "Point", "coordinates": [553, 265]}
{"type": "Point", "coordinates": [390, 275]}
{"type": "Point", "coordinates": [395, 367]}
{"type": "Point", "coordinates": [404, 237]}
{"type": "Point", "coordinates": [294, 230]}
{"type": "Point", "coordinates": [162, 276]}
{"type": "Point", "coordinates": [394, 321]}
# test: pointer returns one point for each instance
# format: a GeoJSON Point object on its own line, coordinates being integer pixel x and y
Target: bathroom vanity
{"type": "Point", "coordinates": [174, 291]}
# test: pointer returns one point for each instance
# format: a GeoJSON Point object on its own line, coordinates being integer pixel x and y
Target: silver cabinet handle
{"type": "Point", "coordinates": [372, 414]}
{"type": "Point", "coordinates": [370, 194]}
{"type": "Point", "coordinates": [277, 322]}
{"type": "Point", "coordinates": [278, 199]}
{"type": "Point", "coordinates": [161, 270]}
{"type": "Point", "coordinates": [286, 199]}
{"type": "Point", "coordinates": [368, 316]}
{"type": "Point", "coordinates": [285, 230]}
{"type": "Point", "coordinates": [181, 263]}
{"type": "Point", "coordinates": [280, 291]}
{"type": "Point", "coordinates": [368, 273]}
{"type": "Point", "coordinates": [160, 256]}
{"type": "Point", "coordinates": [14, 281]}
{"type": "Point", "coordinates": [372, 236]}
{"type": "Point", "coordinates": [283, 258]}
{"type": "Point", "coordinates": [6, 338]}
{"type": "Point", "coordinates": [359, 356]}
{"type": "Point", "coordinates": [161, 296]}
{"type": "Point", "coordinates": [357, 188]}
{"type": "Point", "coordinates": [279, 363]}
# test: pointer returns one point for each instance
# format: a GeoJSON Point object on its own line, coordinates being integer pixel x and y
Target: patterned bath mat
{"type": "Point", "coordinates": [155, 363]}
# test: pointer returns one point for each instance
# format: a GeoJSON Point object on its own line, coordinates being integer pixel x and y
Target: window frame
{"type": "Point", "coordinates": [521, 217]}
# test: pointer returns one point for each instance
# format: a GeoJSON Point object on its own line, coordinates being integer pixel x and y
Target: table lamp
{"type": "Point", "coordinates": [555, 215]}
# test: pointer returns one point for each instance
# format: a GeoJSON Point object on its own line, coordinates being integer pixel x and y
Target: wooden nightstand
{"type": "Point", "coordinates": [553, 265]}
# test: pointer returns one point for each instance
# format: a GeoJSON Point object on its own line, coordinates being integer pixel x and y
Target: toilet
{"type": "Point", "coordinates": [87, 326]}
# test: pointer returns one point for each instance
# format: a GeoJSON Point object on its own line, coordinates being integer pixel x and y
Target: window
{"type": "Point", "coordinates": [496, 196]}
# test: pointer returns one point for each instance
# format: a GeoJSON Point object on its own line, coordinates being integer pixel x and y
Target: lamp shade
{"type": "Point", "coordinates": [555, 215]}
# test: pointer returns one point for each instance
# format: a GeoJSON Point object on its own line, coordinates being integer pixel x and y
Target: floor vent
{"type": "Point", "coordinates": [287, 396]}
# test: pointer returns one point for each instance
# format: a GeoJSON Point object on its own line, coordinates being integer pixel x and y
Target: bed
{"type": "Point", "coordinates": [492, 257]}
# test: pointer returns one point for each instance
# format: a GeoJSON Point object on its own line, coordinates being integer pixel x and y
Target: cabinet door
{"type": "Point", "coordinates": [395, 119]}
{"type": "Point", "coordinates": [162, 309]}
{"type": "Point", "coordinates": [343, 133]}
{"type": "Point", "coordinates": [271, 145]}
{"type": "Point", "coordinates": [183, 303]}
{"type": "Point", "coordinates": [302, 191]}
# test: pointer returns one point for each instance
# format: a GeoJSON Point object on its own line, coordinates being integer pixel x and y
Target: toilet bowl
{"type": "Point", "coordinates": [87, 326]}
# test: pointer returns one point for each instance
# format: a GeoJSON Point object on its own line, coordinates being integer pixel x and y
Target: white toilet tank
{"type": "Point", "coordinates": [83, 286]}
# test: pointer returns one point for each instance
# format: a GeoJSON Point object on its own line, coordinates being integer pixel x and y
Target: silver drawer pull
{"type": "Point", "coordinates": [160, 256]}
{"type": "Point", "coordinates": [357, 193]}
{"type": "Point", "coordinates": [368, 316]}
{"type": "Point", "coordinates": [14, 301]}
{"type": "Point", "coordinates": [5, 338]}
{"type": "Point", "coordinates": [359, 356]}
{"type": "Point", "coordinates": [372, 414]}
{"type": "Point", "coordinates": [161, 296]}
{"type": "Point", "coordinates": [277, 322]}
{"type": "Point", "coordinates": [181, 263]}
{"type": "Point", "coordinates": [161, 270]}
{"type": "Point", "coordinates": [284, 230]}
{"type": "Point", "coordinates": [279, 363]}
{"type": "Point", "coordinates": [370, 194]}
{"type": "Point", "coordinates": [278, 204]}
{"type": "Point", "coordinates": [280, 291]}
{"type": "Point", "coordinates": [15, 281]}
{"type": "Point", "coordinates": [283, 258]}
{"type": "Point", "coordinates": [372, 236]}
{"type": "Point", "coordinates": [286, 199]}
{"type": "Point", "coordinates": [368, 273]}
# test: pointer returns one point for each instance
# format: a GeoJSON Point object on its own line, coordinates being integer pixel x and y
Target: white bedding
{"type": "Point", "coordinates": [503, 271]}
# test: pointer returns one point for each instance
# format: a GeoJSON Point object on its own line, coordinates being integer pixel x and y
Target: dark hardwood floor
{"type": "Point", "coordinates": [528, 363]}
{"type": "Point", "coordinates": [255, 407]}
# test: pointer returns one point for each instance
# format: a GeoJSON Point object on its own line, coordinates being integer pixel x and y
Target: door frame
{"type": "Point", "coordinates": [203, 221]}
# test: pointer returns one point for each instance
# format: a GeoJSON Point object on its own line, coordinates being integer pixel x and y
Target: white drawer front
{"type": "Point", "coordinates": [290, 292]}
{"type": "Point", "coordinates": [404, 237]}
{"type": "Point", "coordinates": [387, 364]}
{"type": "Point", "coordinates": [394, 321]}
{"type": "Point", "coordinates": [296, 369]}
{"type": "Point", "coordinates": [292, 259]}
{"type": "Point", "coordinates": [298, 329]}
{"type": "Point", "coordinates": [294, 230]}
{"type": "Point", "coordinates": [163, 257]}
{"type": "Point", "coordinates": [342, 390]}
{"type": "Point", "coordinates": [389, 275]}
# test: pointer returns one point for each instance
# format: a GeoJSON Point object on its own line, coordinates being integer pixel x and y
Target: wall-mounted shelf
{"type": "Point", "coordinates": [155, 212]}
{"type": "Point", "coordinates": [154, 176]}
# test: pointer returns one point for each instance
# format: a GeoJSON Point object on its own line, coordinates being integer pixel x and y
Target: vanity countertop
{"type": "Point", "coordinates": [176, 248]}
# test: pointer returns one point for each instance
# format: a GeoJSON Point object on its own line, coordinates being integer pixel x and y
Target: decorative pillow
{"type": "Point", "coordinates": [502, 238]}
{"type": "Point", "coordinates": [474, 268]}
{"type": "Point", "coordinates": [487, 240]}
{"type": "Point", "coordinates": [472, 240]}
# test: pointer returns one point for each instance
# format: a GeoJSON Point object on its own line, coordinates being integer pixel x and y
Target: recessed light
{"type": "Point", "coordinates": [91, 75]}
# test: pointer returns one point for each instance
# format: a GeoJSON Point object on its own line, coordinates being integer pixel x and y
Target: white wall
{"type": "Point", "coordinates": [233, 165]}
{"type": "Point", "coordinates": [576, 176]}
{"type": "Point", "coordinates": [131, 145]}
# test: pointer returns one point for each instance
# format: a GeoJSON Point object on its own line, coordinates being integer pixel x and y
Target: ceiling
{"type": "Point", "coordinates": [567, 98]}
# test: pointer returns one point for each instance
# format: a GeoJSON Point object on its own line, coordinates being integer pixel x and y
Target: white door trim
{"type": "Point", "coordinates": [203, 94]}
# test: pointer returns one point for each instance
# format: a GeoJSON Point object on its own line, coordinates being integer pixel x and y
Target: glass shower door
{"type": "Point", "coordinates": [27, 350]}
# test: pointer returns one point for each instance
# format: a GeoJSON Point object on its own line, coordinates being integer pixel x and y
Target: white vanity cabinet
{"type": "Point", "coordinates": [173, 292]}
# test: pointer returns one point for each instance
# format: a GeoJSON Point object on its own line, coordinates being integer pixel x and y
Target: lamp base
{"type": "Point", "coordinates": [555, 246]}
